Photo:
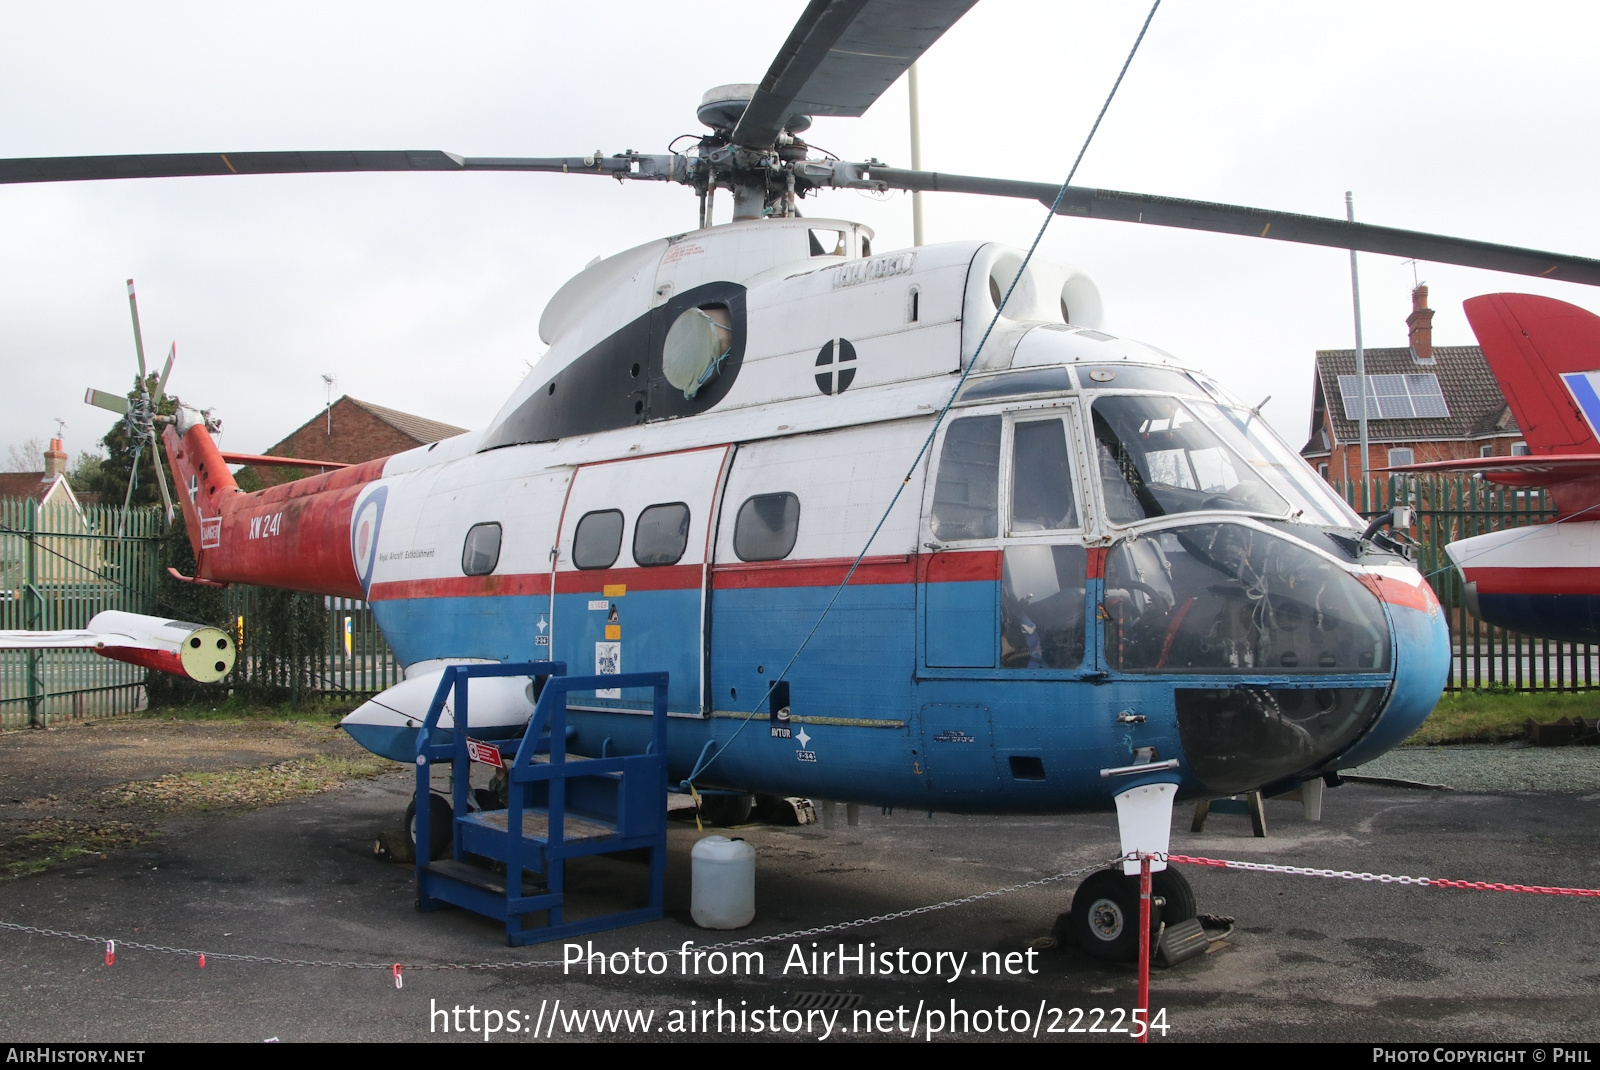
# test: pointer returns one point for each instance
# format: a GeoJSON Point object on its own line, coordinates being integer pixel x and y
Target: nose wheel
{"type": "Point", "coordinates": [1104, 920]}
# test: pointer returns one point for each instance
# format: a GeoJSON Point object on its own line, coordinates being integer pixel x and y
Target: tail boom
{"type": "Point", "coordinates": [294, 536]}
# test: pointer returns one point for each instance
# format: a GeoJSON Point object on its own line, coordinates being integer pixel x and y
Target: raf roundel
{"type": "Point", "coordinates": [837, 361]}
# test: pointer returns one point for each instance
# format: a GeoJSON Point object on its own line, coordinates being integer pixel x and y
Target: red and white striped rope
{"type": "Point", "coordinates": [1384, 878]}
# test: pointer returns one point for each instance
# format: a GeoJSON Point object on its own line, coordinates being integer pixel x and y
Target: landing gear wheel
{"type": "Point", "coordinates": [725, 810]}
{"type": "Point", "coordinates": [1105, 916]}
{"type": "Point", "coordinates": [440, 829]}
{"type": "Point", "coordinates": [1173, 887]}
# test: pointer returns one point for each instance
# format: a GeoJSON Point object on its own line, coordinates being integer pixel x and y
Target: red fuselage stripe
{"type": "Point", "coordinates": [978, 566]}
{"type": "Point", "coordinates": [1535, 580]}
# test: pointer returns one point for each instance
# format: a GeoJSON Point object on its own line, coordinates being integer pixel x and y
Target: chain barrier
{"type": "Point", "coordinates": [1382, 878]}
{"type": "Point", "coordinates": [394, 968]}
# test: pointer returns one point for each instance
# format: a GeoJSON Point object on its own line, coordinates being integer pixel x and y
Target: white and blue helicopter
{"type": "Point", "coordinates": [1104, 582]}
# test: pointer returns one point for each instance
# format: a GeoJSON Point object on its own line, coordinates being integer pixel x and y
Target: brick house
{"type": "Point", "coordinates": [350, 431]}
{"type": "Point", "coordinates": [49, 487]}
{"type": "Point", "coordinates": [1424, 403]}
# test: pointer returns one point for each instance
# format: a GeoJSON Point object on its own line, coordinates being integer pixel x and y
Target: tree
{"type": "Point", "coordinates": [28, 458]}
{"type": "Point", "coordinates": [110, 481]}
{"type": "Point", "coordinates": [84, 469]}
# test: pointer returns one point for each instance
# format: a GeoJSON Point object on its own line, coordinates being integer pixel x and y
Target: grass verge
{"type": "Point", "coordinates": [1492, 715]}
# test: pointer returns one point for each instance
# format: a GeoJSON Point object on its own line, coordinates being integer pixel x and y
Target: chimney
{"type": "Point", "coordinates": [1420, 323]}
{"type": "Point", "coordinates": [55, 461]}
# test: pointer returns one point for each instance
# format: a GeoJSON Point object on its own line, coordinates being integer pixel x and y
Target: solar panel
{"type": "Point", "coordinates": [1394, 397]}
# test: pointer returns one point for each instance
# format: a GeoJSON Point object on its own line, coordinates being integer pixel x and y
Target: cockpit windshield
{"type": "Point", "coordinates": [1159, 456]}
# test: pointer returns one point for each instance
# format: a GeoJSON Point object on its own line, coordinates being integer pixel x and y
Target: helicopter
{"type": "Point", "coordinates": [1106, 585]}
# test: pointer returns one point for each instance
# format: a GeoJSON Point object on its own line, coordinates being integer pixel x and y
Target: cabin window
{"type": "Point", "coordinates": [766, 527]}
{"type": "Point", "coordinates": [481, 551]}
{"type": "Point", "coordinates": [660, 534]}
{"type": "Point", "coordinates": [827, 243]}
{"type": "Point", "coordinates": [966, 499]}
{"type": "Point", "coordinates": [1041, 479]}
{"type": "Point", "coordinates": [598, 539]}
{"type": "Point", "coordinates": [1041, 607]}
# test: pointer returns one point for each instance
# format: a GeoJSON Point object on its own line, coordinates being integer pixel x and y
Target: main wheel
{"type": "Point", "coordinates": [1173, 887]}
{"type": "Point", "coordinates": [1105, 916]}
{"type": "Point", "coordinates": [725, 810]}
{"type": "Point", "coordinates": [440, 829]}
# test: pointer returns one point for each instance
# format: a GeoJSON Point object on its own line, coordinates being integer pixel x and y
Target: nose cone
{"type": "Point", "coordinates": [1421, 662]}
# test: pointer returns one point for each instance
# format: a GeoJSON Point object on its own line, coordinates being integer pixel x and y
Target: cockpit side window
{"type": "Point", "coordinates": [1042, 498]}
{"type": "Point", "coordinates": [1158, 458]}
{"type": "Point", "coordinates": [966, 499]}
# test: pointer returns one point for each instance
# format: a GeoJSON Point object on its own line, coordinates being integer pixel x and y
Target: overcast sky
{"type": "Point", "coordinates": [423, 291]}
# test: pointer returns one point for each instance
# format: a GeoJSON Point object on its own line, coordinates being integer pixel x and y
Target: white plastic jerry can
{"type": "Point", "coordinates": [723, 883]}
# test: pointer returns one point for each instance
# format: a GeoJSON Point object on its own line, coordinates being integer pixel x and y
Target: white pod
{"type": "Point", "coordinates": [723, 892]}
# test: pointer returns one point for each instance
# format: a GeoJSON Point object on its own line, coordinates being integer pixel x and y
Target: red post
{"type": "Point", "coordinates": [1144, 947]}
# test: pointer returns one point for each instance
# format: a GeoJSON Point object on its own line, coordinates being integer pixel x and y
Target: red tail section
{"type": "Point", "coordinates": [295, 536]}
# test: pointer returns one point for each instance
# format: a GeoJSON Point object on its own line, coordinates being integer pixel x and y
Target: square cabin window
{"type": "Point", "coordinates": [766, 527]}
{"type": "Point", "coordinates": [481, 552]}
{"type": "Point", "coordinates": [598, 539]}
{"type": "Point", "coordinates": [660, 534]}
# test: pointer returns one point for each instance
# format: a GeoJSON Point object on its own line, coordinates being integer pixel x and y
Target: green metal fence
{"type": "Point", "coordinates": [59, 566]}
{"type": "Point", "coordinates": [347, 656]}
{"type": "Point", "coordinates": [1456, 507]}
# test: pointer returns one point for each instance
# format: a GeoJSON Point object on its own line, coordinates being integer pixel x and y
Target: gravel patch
{"type": "Point", "coordinates": [1493, 768]}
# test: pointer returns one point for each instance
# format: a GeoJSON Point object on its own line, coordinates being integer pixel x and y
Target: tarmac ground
{"type": "Point", "coordinates": [1311, 959]}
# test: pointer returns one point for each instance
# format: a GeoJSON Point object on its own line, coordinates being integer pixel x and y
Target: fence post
{"type": "Point", "coordinates": [33, 615]}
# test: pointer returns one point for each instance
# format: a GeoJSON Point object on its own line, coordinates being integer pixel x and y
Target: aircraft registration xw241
{"type": "Point", "coordinates": [1105, 562]}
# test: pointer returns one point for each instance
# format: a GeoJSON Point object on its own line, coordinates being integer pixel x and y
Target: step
{"type": "Point", "coordinates": [479, 877]}
{"type": "Point", "coordinates": [536, 825]}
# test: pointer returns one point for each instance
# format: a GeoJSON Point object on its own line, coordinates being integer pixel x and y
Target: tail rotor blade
{"type": "Point", "coordinates": [161, 477]}
{"type": "Point", "coordinates": [100, 399]}
{"type": "Point", "coordinates": [166, 370]}
{"type": "Point", "coordinates": [138, 339]}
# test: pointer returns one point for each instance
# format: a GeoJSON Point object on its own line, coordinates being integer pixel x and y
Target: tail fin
{"type": "Point", "coordinates": [1545, 354]}
{"type": "Point", "coordinates": [203, 481]}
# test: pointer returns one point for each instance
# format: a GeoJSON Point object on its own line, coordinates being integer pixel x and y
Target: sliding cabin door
{"type": "Point", "coordinates": [632, 573]}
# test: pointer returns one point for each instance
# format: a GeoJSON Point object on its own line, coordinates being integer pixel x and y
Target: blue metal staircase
{"type": "Point", "coordinates": [560, 806]}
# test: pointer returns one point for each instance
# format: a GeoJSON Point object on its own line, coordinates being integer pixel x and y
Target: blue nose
{"type": "Point", "coordinates": [1421, 667]}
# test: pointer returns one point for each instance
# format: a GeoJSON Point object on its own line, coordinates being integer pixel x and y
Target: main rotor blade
{"type": "Point", "coordinates": [840, 57]}
{"type": "Point", "coordinates": [183, 164]}
{"type": "Point", "coordinates": [1258, 223]}
{"type": "Point", "coordinates": [192, 164]}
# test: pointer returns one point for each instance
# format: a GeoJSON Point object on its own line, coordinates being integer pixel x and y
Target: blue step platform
{"type": "Point", "coordinates": [561, 806]}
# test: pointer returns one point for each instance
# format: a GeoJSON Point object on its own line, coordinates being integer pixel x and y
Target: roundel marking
{"type": "Point", "coordinates": [837, 359]}
{"type": "Point", "coordinates": [364, 530]}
